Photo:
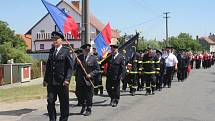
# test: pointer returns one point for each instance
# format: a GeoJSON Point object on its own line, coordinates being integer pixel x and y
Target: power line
{"type": "Point", "coordinates": [142, 23]}
{"type": "Point", "coordinates": [144, 3]}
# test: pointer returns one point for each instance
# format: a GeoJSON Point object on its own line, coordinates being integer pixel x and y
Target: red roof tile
{"type": "Point", "coordinates": [27, 40]}
{"type": "Point", "coordinates": [209, 40]}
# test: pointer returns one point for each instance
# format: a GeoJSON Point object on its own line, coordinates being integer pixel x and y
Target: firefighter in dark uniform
{"type": "Point", "coordinates": [141, 82]}
{"type": "Point", "coordinates": [134, 73]}
{"type": "Point", "coordinates": [98, 80]}
{"type": "Point", "coordinates": [57, 78]}
{"type": "Point", "coordinates": [139, 69]}
{"type": "Point", "coordinates": [186, 64]}
{"type": "Point", "coordinates": [198, 59]}
{"type": "Point", "coordinates": [77, 52]}
{"type": "Point", "coordinates": [115, 73]}
{"type": "Point", "coordinates": [182, 68]}
{"type": "Point", "coordinates": [84, 82]}
{"type": "Point", "coordinates": [160, 70]}
{"type": "Point", "coordinates": [149, 70]}
{"type": "Point", "coordinates": [126, 77]}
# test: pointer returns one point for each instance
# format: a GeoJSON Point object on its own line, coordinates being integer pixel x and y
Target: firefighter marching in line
{"type": "Point", "coordinates": [205, 60]}
{"type": "Point", "coordinates": [133, 73]}
{"type": "Point", "coordinates": [115, 73]}
{"type": "Point", "coordinates": [160, 70]}
{"type": "Point", "coordinates": [141, 82]}
{"type": "Point", "coordinates": [140, 74]}
{"type": "Point", "coordinates": [129, 75]}
{"type": "Point", "coordinates": [77, 92]}
{"type": "Point", "coordinates": [98, 80]}
{"type": "Point", "coordinates": [182, 65]}
{"type": "Point", "coordinates": [149, 69]}
{"type": "Point", "coordinates": [126, 77]}
{"type": "Point", "coordinates": [198, 60]}
{"type": "Point", "coordinates": [83, 81]}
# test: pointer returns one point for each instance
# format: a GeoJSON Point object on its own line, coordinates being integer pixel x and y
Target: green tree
{"type": "Point", "coordinates": [185, 41]}
{"type": "Point", "coordinates": [141, 43]}
{"type": "Point", "coordinates": [7, 35]}
{"type": "Point", "coordinates": [154, 44]}
{"type": "Point", "coordinates": [8, 52]}
{"type": "Point", "coordinates": [12, 46]}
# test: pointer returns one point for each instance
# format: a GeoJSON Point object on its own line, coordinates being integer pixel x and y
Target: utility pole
{"type": "Point", "coordinates": [85, 23]}
{"type": "Point", "coordinates": [166, 17]}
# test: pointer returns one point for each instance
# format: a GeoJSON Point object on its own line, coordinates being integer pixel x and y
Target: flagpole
{"type": "Point", "coordinates": [79, 62]}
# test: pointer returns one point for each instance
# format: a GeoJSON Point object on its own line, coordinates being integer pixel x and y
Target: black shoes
{"type": "Point", "coordinates": [82, 110]}
{"type": "Point", "coordinates": [88, 113]}
{"type": "Point", "coordinates": [133, 93]}
{"type": "Point", "coordinates": [111, 102]}
{"type": "Point", "coordinates": [114, 102]}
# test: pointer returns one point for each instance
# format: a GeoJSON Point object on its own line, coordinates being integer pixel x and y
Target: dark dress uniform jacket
{"type": "Point", "coordinates": [116, 68]}
{"type": "Point", "coordinates": [59, 67]}
{"type": "Point", "coordinates": [91, 66]}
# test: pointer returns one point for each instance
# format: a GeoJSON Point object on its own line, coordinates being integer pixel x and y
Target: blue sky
{"type": "Point", "coordinates": [192, 16]}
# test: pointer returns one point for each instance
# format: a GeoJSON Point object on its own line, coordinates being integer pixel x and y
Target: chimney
{"type": "Point", "coordinates": [197, 37]}
{"type": "Point", "coordinates": [76, 3]}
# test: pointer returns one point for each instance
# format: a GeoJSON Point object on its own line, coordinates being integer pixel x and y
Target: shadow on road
{"type": "Point", "coordinates": [128, 94]}
{"type": "Point", "coordinates": [101, 103]}
{"type": "Point", "coordinates": [70, 114]}
{"type": "Point", "coordinates": [18, 112]}
{"type": "Point", "coordinates": [102, 95]}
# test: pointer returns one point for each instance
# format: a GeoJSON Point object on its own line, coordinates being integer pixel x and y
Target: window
{"type": "Point", "coordinates": [41, 46]}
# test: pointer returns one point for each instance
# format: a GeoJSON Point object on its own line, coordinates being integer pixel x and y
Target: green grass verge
{"type": "Point", "coordinates": [22, 93]}
{"type": "Point", "coordinates": [26, 93]}
{"type": "Point", "coordinates": [29, 92]}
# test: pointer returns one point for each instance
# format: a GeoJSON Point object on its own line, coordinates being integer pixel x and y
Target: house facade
{"type": "Point", "coordinates": [41, 31]}
{"type": "Point", "coordinates": [208, 42]}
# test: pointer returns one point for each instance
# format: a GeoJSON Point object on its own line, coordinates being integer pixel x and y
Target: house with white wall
{"type": "Point", "coordinates": [41, 31]}
{"type": "Point", "coordinates": [208, 42]}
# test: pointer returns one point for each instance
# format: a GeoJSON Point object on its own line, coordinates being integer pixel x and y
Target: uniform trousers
{"type": "Point", "coordinates": [113, 89]}
{"type": "Point", "coordinates": [63, 94]}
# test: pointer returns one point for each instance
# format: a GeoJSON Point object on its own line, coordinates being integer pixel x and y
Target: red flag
{"type": "Point", "coordinates": [107, 34]}
{"type": "Point", "coordinates": [70, 26]}
{"type": "Point", "coordinates": [64, 22]}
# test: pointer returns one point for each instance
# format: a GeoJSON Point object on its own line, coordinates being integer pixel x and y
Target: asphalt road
{"type": "Point", "coordinates": [192, 100]}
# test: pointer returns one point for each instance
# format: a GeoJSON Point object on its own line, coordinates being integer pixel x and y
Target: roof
{"type": "Point", "coordinates": [93, 21]}
{"type": "Point", "coordinates": [27, 40]}
{"type": "Point", "coordinates": [209, 40]}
